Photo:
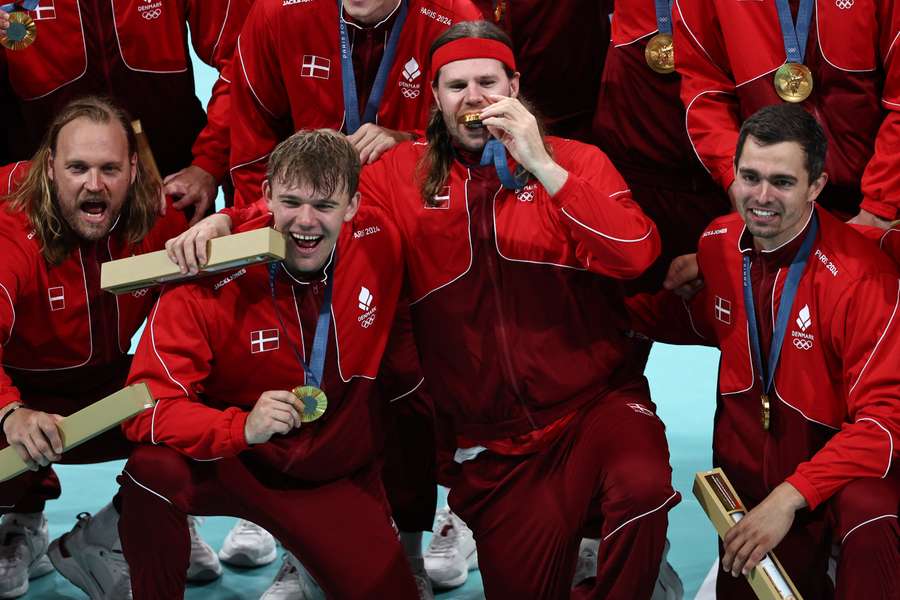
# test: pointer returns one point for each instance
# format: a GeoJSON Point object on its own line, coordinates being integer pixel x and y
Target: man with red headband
{"type": "Point", "coordinates": [513, 269]}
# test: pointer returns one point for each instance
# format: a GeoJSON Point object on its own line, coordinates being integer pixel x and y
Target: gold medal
{"type": "Point", "coordinates": [793, 82]}
{"type": "Point", "coordinates": [471, 121]}
{"type": "Point", "coordinates": [765, 414]}
{"type": "Point", "coordinates": [660, 53]}
{"type": "Point", "coordinates": [21, 33]}
{"type": "Point", "coordinates": [313, 402]}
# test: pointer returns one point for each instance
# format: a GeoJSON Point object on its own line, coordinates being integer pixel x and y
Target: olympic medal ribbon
{"type": "Point", "coordinates": [495, 153]}
{"type": "Point", "coordinates": [664, 16]}
{"type": "Point", "coordinates": [767, 376]}
{"type": "Point", "coordinates": [25, 4]}
{"type": "Point", "coordinates": [352, 119]}
{"type": "Point", "coordinates": [796, 34]}
{"type": "Point", "coordinates": [660, 49]}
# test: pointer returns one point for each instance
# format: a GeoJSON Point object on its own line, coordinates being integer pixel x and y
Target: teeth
{"type": "Point", "coordinates": [763, 213]}
{"type": "Point", "coordinates": [305, 238]}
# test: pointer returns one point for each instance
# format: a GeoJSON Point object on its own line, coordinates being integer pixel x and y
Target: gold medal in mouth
{"type": "Point", "coordinates": [471, 120]}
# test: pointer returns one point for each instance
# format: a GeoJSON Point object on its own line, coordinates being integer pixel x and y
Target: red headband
{"type": "Point", "coordinates": [466, 48]}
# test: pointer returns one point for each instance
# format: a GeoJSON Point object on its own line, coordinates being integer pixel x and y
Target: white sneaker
{"type": "Point", "coordinates": [248, 545]}
{"type": "Point", "coordinates": [587, 560]}
{"type": "Point", "coordinates": [420, 576]}
{"type": "Point", "coordinates": [86, 557]}
{"type": "Point", "coordinates": [668, 584]}
{"type": "Point", "coordinates": [293, 582]}
{"type": "Point", "coordinates": [204, 565]}
{"type": "Point", "coordinates": [23, 552]}
{"type": "Point", "coordinates": [451, 553]}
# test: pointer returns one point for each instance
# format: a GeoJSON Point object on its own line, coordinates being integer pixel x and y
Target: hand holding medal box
{"type": "Point", "coordinates": [22, 31]}
{"type": "Point", "coordinates": [723, 507]}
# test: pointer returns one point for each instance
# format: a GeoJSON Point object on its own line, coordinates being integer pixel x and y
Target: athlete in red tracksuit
{"type": "Point", "coordinates": [834, 415]}
{"type": "Point", "coordinates": [215, 348]}
{"type": "Point", "coordinates": [727, 53]}
{"type": "Point", "coordinates": [639, 124]}
{"type": "Point", "coordinates": [288, 74]}
{"type": "Point", "coordinates": [136, 52]}
{"type": "Point", "coordinates": [520, 325]}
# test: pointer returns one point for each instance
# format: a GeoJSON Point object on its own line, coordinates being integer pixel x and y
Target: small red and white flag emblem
{"type": "Point", "coordinates": [723, 310]}
{"type": "Point", "coordinates": [440, 200]}
{"type": "Point", "coordinates": [57, 297]}
{"type": "Point", "coordinates": [44, 11]}
{"type": "Point", "coordinates": [316, 67]}
{"type": "Point", "coordinates": [264, 340]}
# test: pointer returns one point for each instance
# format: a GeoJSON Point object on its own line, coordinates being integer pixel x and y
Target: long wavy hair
{"type": "Point", "coordinates": [36, 196]}
{"type": "Point", "coordinates": [433, 168]}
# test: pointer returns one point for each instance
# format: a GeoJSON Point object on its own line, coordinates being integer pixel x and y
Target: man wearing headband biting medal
{"type": "Point", "coordinates": [513, 269]}
{"type": "Point", "coordinates": [270, 401]}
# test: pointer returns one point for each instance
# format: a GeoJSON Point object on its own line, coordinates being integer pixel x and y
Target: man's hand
{"type": "Point", "coordinates": [34, 436]}
{"type": "Point", "coordinates": [761, 529]}
{"type": "Point", "coordinates": [866, 218]}
{"type": "Point", "coordinates": [4, 21]}
{"type": "Point", "coordinates": [511, 123]}
{"type": "Point", "coordinates": [371, 141]}
{"type": "Point", "coordinates": [273, 413]}
{"type": "Point", "coordinates": [683, 277]}
{"type": "Point", "coordinates": [189, 250]}
{"type": "Point", "coordinates": [191, 186]}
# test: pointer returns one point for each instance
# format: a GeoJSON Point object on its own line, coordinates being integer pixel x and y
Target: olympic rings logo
{"type": "Point", "coordinates": [140, 293]}
{"type": "Point", "coordinates": [525, 197]}
{"type": "Point", "coordinates": [410, 94]}
{"type": "Point", "coordinates": [844, 4]}
{"type": "Point", "coordinates": [801, 344]}
{"type": "Point", "coordinates": [368, 322]}
{"type": "Point", "coordinates": [152, 14]}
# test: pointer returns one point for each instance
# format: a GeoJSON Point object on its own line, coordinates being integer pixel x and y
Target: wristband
{"type": "Point", "coordinates": [6, 416]}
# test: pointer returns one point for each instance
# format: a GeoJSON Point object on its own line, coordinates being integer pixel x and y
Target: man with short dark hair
{"type": "Point", "coordinates": [804, 309]}
{"type": "Point", "coordinates": [269, 398]}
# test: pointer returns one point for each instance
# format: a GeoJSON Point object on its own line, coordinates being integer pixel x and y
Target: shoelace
{"type": "Point", "coordinates": [285, 572]}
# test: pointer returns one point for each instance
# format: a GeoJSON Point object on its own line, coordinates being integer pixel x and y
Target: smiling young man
{"type": "Point", "coordinates": [804, 309]}
{"type": "Point", "coordinates": [84, 199]}
{"type": "Point", "coordinates": [225, 358]}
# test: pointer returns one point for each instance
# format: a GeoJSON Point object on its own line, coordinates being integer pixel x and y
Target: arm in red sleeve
{"type": "Point", "coordinates": [211, 148]}
{"type": "Point", "coordinates": [248, 217]}
{"type": "Point", "coordinates": [14, 274]}
{"type": "Point", "coordinates": [260, 115]}
{"type": "Point", "coordinates": [401, 374]}
{"type": "Point", "coordinates": [613, 236]}
{"type": "Point", "coordinates": [173, 359]}
{"type": "Point", "coordinates": [665, 317]}
{"type": "Point", "coordinates": [866, 333]}
{"type": "Point", "coordinates": [707, 88]}
{"type": "Point", "coordinates": [881, 179]}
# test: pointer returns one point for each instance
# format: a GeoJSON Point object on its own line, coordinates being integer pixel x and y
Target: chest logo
{"type": "Point", "coordinates": [316, 67]}
{"type": "Point", "coordinates": [804, 319]}
{"type": "Point", "coordinates": [57, 297]}
{"type": "Point", "coordinates": [264, 340]}
{"type": "Point", "coordinates": [526, 194]}
{"type": "Point", "coordinates": [801, 339]}
{"type": "Point", "coordinates": [44, 11]}
{"type": "Point", "coordinates": [844, 4]}
{"type": "Point", "coordinates": [150, 9]}
{"type": "Point", "coordinates": [367, 306]}
{"type": "Point", "coordinates": [723, 310]}
{"type": "Point", "coordinates": [410, 88]}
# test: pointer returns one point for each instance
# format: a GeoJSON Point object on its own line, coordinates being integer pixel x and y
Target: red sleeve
{"type": "Point", "coordinates": [248, 217]}
{"type": "Point", "coordinates": [400, 374]}
{"type": "Point", "coordinates": [866, 333]}
{"type": "Point", "coordinates": [173, 359]}
{"type": "Point", "coordinates": [613, 237]}
{"type": "Point", "coordinates": [707, 88]}
{"type": "Point", "coordinates": [665, 317]}
{"type": "Point", "coordinates": [260, 116]}
{"type": "Point", "coordinates": [214, 31]}
{"type": "Point", "coordinates": [881, 179]}
{"type": "Point", "coordinates": [172, 224]}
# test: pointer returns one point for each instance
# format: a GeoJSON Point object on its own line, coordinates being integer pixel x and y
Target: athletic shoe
{"type": "Point", "coordinates": [23, 552]}
{"type": "Point", "coordinates": [90, 557]}
{"type": "Point", "coordinates": [668, 584]}
{"type": "Point", "coordinates": [248, 545]}
{"type": "Point", "coordinates": [587, 560]}
{"type": "Point", "coordinates": [293, 582]}
{"type": "Point", "coordinates": [451, 553]}
{"type": "Point", "coordinates": [204, 565]}
{"type": "Point", "coordinates": [420, 576]}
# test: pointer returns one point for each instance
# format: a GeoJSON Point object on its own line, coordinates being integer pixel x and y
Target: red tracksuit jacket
{"type": "Point", "coordinates": [135, 51]}
{"type": "Point", "coordinates": [212, 347]}
{"type": "Point", "coordinates": [835, 409]}
{"type": "Point", "coordinates": [727, 53]}
{"type": "Point", "coordinates": [288, 77]}
{"type": "Point", "coordinates": [59, 330]}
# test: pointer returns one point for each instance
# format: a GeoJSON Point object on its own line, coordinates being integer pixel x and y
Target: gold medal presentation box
{"type": "Point", "coordinates": [228, 252]}
{"type": "Point", "coordinates": [723, 507]}
{"type": "Point", "coordinates": [86, 424]}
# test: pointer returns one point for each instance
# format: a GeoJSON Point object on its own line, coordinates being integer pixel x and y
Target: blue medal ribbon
{"type": "Point", "coordinates": [495, 152]}
{"type": "Point", "coordinates": [348, 78]}
{"type": "Point", "coordinates": [664, 16]}
{"type": "Point", "coordinates": [316, 366]}
{"type": "Point", "coordinates": [795, 36]}
{"type": "Point", "coordinates": [25, 4]}
{"type": "Point", "coordinates": [767, 377]}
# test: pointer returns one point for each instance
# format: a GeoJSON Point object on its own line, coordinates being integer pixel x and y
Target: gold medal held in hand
{"type": "Point", "coordinates": [660, 53]}
{"type": "Point", "coordinates": [21, 33]}
{"type": "Point", "coordinates": [793, 82]}
{"type": "Point", "coordinates": [313, 402]}
{"type": "Point", "coordinates": [471, 121]}
{"type": "Point", "coordinates": [765, 413]}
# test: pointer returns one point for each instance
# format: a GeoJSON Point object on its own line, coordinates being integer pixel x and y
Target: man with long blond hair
{"type": "Point", "coordinates": [85, 198]}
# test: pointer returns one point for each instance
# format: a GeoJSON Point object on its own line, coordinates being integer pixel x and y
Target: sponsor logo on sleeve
{"type": "Point", "coordinates": [715, 232]}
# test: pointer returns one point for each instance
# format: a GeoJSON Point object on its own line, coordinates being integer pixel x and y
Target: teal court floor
{"type": "Point", "coordinates": [682, 382]}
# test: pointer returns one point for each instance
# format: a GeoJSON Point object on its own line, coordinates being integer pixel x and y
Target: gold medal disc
{"type": "Point", "coordinates": [21, 33]}
{"type": "Point", "coordinates": [660, 53]}
{"type": "Point", "coordinates": [471, 121]}
{"type": "Point", "coordinates": [765, 413]}
{"type": "Point", "coordinates": [793, 82]}
{"type": "Point", "coordinates": [313, 402]}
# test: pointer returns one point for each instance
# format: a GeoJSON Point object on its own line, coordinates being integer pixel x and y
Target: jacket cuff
{"type": "Point", "coordinates": [724, 177]}
{"type": "Point", "coordinates": [238, 441]}
{"type": "Point", "coordinates": [884, 210]}
{"type": "Point", "coordinates": [212, 167]}
{"type": "Point", "coordinates": [567, 190]}
{"type": "Point", "coordinates": [806, 489]}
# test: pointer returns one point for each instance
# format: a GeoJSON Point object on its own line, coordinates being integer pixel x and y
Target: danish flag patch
{"type": "Point", "coordinates": [57, 297]}
{"type": "Point", "coordinates": [317, 67]}
{"type": "Point", "coordinates": [264, 340]}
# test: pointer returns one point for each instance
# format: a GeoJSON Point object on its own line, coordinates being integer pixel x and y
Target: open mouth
{"type": "Point", "coordinates": [763, 214]}
{"type": "Point", "coordinates": [306, 243]}
{"type": "Point", "coordinates": [471, 120]}
{"type": "Point", "coordinates": [94, 210]}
